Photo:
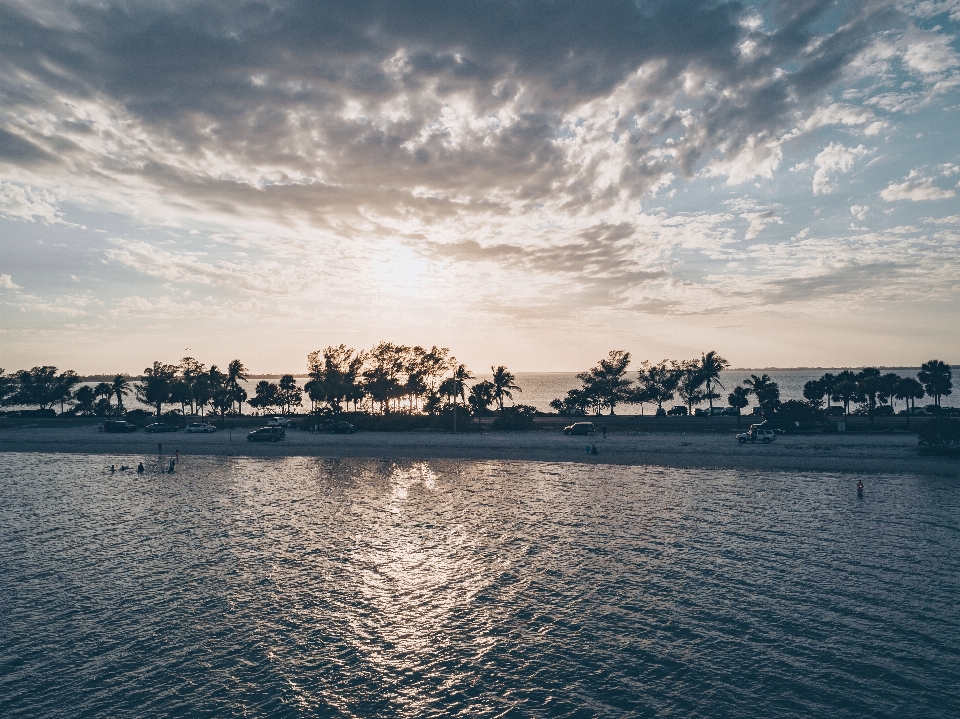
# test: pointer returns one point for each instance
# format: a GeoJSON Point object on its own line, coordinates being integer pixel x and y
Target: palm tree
{"type": "Point", "coordinates": [765, 390]}
{"type": "Point", "coordinates": [711, 365]}
{"type": "Point", "coordinates": [829, 381]}
{"type": "Point", "coordinates": [481, 397]}
{"type": "Point", "coordinates": [237, 373]}
{"type": "Point", "coordinates": [504, 382]}
{"type": "Point", "coordinates": [909, 389]}
{"type": "Point", "coordinates": [936, 377]}
{"type": "Point", "coordinates": [738, 399]}
{"type": "Point", "coordinates": [65, 384]}
{"type": "Point", "coordinates": [120, 387]}
{"type": "Point", "coordinates": [888, 388]}
{"type": "Point", "coordinates": [460, 376]}
{"type": "Point", "coordinates": [846, 390]}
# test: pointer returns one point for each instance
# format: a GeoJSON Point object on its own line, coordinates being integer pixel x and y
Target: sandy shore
{"type": "Point", "coordinates": [872, 454]}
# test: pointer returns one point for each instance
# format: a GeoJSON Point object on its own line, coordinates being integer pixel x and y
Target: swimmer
{"type": "Point", "coordinates": [593, 450]}
{"type": "Point", "coordinates": [860, 487]}
{"type": "Point", "coordinates": [171, 466]}
{"type": "Point", "coordinates": [112, 469]}
{"type": "Point", "coordinates": [140, 468]}
{"type": "Point", "coordinates": [124, 468]}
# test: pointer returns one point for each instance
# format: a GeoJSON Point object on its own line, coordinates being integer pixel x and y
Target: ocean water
{"type": "Point", "coordinates": [308, 587]}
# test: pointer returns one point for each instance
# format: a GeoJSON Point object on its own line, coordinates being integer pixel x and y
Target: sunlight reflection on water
{"type": "Point", "coordinates": [303, 586]}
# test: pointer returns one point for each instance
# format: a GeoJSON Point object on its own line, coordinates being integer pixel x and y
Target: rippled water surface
{"type": "Point", "coordinates": [311, 587]}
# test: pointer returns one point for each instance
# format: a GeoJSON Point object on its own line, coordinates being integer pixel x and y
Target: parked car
{"type": "Point", "coordinates": [159, 427]}
{"type": "Point", "coordinates": [700, 412]}
{"type": "Point", "coordinates": [834, 410]}
{"type": "Point", "coordinates": [730, 412]}
{"type": "Point", "coordinates": [118, 425]}
{"type": "Point", "coordinates": [757, 435]}
{"type": "Point", "coordinates": [678, 411]}
{"type": "Point", "coordinates": [340, 427]}
{"type": "Point", "coordinates": [284, 422]}
{"type": "Point", "coordinates": [200, 427]}
{"type": "Point", "coordinates": [267, 434]}
{"type": "Point", "coordinates": [580, 428]}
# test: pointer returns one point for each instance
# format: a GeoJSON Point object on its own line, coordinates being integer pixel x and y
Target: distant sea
{"type": "Point", "coordinates": [540, 388]}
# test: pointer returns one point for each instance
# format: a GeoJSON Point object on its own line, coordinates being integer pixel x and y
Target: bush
{"type": "Point", "coordinates": [796, 411]}
{"type": "Point", "coordinates": [518, 417]}
{"type": "Point", "coordinates": [139, 417]}
{"type": "Point", "coordinates": [940, 435]}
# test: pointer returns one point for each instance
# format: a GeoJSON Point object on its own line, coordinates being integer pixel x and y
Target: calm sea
{"type": "Point", "coordinates": [309, 587]}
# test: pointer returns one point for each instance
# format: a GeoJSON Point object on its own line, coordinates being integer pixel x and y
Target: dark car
{"type": "Point", "coordinates": [579, 428]}
{"type": "Point", "coordinates": [340, 427]}
{"type": "Point", "coordinates": [159, 427]}
{"type": "Point", "coordinates": [267, 434]}
{"type": "Point", "coordinates": [118, 425]}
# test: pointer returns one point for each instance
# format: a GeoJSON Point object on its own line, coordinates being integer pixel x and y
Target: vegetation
{"type": "Point", "coordinates": [393, 380]}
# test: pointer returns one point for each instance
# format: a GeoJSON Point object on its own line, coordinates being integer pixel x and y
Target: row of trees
{"type": "Point", "coordinates": [695, 381]}
{"type": "Point", "coordinates": [392, 378]}
{"type": "Point", "coordinates": [389, 378]}
{"type": "Point", "coordinates": [872, 388]}
{"type": "Point", "coordinates": [606, 385]}
{"type": "Point", "coordinates": [189, 384]}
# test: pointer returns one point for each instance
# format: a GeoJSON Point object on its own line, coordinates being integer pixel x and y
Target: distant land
{"type": "Point", "coordinates": [109, 377]}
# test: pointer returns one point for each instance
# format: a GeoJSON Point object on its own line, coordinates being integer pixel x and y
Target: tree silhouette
{"type": "Point", "coordinates": [155, 387]}
{"type": "Point", "coordinates": [37, 386]}
{"type": "Point", "coordinates": [888, 388]}
{"type": "Point", "coordinates": [738, 399]}
{"type": "Point", "coordinates": [481, 397]}
{"type": "Point", "coordinates": [237, 373]}
{"type": "Point", "coordinates": [868, 385]}
{"type": "Point", "coordinates": [765, 390]}
{"type": "Point", "coordinates": [8, 386]}
{"type": "Point", "coordinates": [85, 398]}
{"type": "Point", "coordinates": [289, 394]}
{"type": "Point", "coordinates": [846, 390]}
{"type": "Point", "coordinates": [66, 381]}
{"type": "Point", "coordinates": [689, 381]}
{"type": "Point", "coordinates": [829, 382]}
{"type": "Point", "coordinates": [121, 388]}
{"type": "Point", "coordinates": [813, 392]}
{"type": "Point", "coordinates": [909, 390]}
{"type": "Point", "coordinates": [658, 382]}
{"type": "Point", "coordinates": [711, 365]}
{"type": "Point", "coordinates": [607, 381]}
{"type": "Point", "coordinates": [936, 378]}
{"type": "Point", "coordinates": [504, 384]}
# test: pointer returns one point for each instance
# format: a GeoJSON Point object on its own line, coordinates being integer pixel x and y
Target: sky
{"type": "Point", "coordinates": [529, 183]}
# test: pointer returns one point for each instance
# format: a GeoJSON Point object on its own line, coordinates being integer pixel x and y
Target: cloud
{"type": "Point", "coordinates": [834, 159]}
{"type": "Point", "coordinates": [265, 277]}
{"type": "Point", "coordinates": [29, 205]}
{"type": "Point", "coordinates": [915, 190]}
{"type": "Point", "coordinates": [7, 283]}
{"type": "Point", "coordinates": [859, 211]}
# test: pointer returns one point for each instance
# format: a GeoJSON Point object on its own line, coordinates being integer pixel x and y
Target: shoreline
{"type": "Point", "coordinates": [852, 454]}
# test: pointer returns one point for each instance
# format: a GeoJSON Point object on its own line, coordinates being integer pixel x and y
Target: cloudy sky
{"type": "Point", "coordinates": [530, 182]}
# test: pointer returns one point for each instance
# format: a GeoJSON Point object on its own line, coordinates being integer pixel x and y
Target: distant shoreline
{"type": "Point", "coordinates": [853, 454]}
{"type": "Point", "coordinates": [304, 375]}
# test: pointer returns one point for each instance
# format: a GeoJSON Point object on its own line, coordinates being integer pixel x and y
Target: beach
{"type": "Point", "coordinates": [886, 453]}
